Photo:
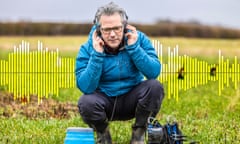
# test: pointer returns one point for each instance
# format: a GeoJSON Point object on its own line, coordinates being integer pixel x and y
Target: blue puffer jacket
{"type": "Point", "coordinates": [117, 74]}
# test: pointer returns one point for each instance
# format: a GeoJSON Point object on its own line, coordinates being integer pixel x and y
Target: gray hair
{"type": "Point", "coordinates": [110, 9]}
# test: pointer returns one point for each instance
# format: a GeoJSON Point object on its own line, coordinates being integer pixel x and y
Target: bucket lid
{"type": "Point", "coordinates": [79, 129]}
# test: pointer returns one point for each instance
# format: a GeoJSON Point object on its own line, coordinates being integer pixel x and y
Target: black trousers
{"type": "Point", "coordinates": [97, 109]}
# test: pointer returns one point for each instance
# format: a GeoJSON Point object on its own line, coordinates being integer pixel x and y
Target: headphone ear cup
{"type": "Point", "coordinates": [125, 27]}
{"type": "Point", "coordinates": [98, 30]}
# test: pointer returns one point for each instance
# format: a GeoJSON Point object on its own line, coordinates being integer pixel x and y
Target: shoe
{"type": "Point", "coordinates": [138, 135]}
{"type": "Point", "coordinates": [140, 126]}
{"type": "Point", "coordinates": [104, 137]}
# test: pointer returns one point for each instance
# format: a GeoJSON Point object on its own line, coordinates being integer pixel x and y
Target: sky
{"type": "Point", "coordinates": [210, 12]}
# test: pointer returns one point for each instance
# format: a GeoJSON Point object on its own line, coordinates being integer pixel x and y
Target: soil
{"type": "Point", "coordinates": [48, 108]}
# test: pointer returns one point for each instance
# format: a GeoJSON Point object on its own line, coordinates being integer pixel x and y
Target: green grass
{"type": "Point", "coordinates": [202, 114]}
{"type": "Point", "coordinates": [71, 95]}
{"type": "Point", "coordinates": [40, 131]}
{"type": "Point", "coordinates": [205, 116]}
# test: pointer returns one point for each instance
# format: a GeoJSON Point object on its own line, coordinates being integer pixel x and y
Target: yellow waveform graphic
{"type": "Point", "coordinates": [41, 72]}
{"type": "Point", "coordinates": [185, 72]}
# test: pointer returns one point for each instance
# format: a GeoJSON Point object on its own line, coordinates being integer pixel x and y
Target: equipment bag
{"type": "Point", "coordinates": [164, 134]}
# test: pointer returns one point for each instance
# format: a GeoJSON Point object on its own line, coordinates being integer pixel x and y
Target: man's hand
{"type": "Point", "coordinates": [131, 35]}
{"type": "Point", "coordinates": [98, 43]}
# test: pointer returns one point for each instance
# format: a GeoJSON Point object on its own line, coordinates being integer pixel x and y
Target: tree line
{"type": "Point", "coordinates": [168, 29]}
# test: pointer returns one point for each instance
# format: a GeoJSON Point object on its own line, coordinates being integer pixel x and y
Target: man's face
{"type": "Point", "coordinates": [111, 29]}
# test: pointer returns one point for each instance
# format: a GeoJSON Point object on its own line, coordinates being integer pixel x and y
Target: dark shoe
{"type": "Point", "coordinates": [104, 137]}
{"type": "Point", "coordinates": [138, 135]}
{"type": "Point", "coordinates": [139, 128]}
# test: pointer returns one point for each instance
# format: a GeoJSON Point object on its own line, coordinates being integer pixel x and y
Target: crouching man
{"type": "Point", "coordinates": [116, 70]}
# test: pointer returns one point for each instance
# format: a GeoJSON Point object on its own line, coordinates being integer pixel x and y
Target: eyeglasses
{"type": "Point", "coordinates": [116, 29]}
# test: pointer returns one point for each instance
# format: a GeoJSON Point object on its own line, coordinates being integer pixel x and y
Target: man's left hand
{"type": "Point", "coordinates": [132, 34]}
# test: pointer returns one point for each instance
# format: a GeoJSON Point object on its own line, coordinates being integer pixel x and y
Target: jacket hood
{"type": "Point", "coordinates": [94, 27]}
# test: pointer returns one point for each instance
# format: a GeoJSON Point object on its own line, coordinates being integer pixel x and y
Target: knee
{"type": "Point", "coordinates": [156, 88]}
{"type": "Point", "coordinates": [84, 103]}
{"type": "Point", "coordinates": [157, 95]}
{"type": "Point", "coordinates": [90, 109]}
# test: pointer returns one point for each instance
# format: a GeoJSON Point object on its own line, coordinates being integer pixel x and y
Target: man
{"type": "Point", "coordinates": [110, 71]}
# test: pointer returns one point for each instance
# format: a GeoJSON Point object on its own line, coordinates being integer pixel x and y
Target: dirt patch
{"type": "Point", "coordinates": [49, 108]}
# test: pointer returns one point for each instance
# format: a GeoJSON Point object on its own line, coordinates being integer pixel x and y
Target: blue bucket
{"type": "Point", "coordinates": [79, 135]}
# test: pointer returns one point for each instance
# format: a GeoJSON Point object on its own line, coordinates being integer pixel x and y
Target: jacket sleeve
{"type": "Point", "coordinates": [88, 68]}
{"type": "Point", "coordinates": [144, 57]}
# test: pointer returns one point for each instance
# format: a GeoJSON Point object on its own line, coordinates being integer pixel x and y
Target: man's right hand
{"type": "Point", "coordinates": [98, 43]}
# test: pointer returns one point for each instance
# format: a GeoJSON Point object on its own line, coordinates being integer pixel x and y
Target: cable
{"type": "Point", "coordinates": [114, 108]}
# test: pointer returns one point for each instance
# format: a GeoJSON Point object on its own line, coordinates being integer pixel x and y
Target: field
{"type": "Point", "coordinates": [202, 114]}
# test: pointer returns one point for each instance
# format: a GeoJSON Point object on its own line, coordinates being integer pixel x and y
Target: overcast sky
{"type": "Point", "coordinates": [214, 12]}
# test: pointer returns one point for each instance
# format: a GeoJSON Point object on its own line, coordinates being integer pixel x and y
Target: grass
{"type": "Point", "coordinates": [40, 131]}
{"type": "Point", "coordinates": [202, 114]}
{"type": "Point", "coordinates": [205, 116]}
